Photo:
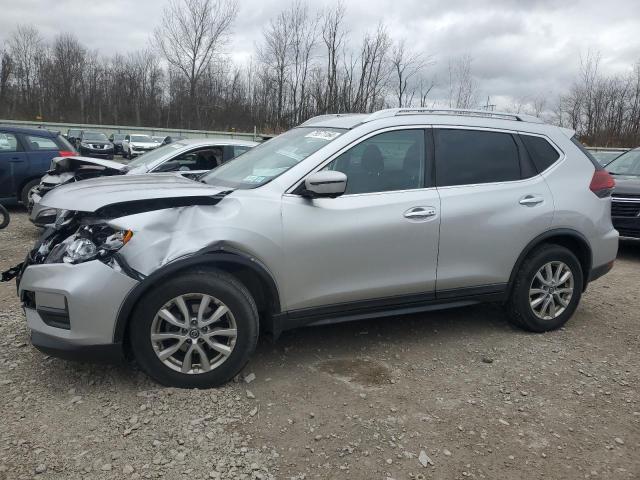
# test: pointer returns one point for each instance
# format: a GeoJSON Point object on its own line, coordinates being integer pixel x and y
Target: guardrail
{"type": "Point", "coordinates": [109, 129]}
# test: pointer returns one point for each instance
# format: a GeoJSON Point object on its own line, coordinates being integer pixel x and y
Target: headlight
{"type": "Point", "coordinates": [83, 144]}
{"type": "Point", "coordinates": [80, 250]}
{"type": "Point", "coordinates": [90, 242]}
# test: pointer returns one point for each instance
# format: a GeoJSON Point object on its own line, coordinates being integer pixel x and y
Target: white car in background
{"type": "Point", "coordinates": [188, 158]}
{"type": "Point", "coordinates": [134, 145]}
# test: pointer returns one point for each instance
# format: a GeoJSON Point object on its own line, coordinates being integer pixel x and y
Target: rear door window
{"type": "Point", "coordinates": [40, 143]}
{"type": "Point", "coordinates": [466, 157]}
{"type": "Point", "coordinates": [540, 151]}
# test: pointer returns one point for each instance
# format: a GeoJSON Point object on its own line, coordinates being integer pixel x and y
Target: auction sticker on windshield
{"type": "Point", "coordinates": [323, 135]}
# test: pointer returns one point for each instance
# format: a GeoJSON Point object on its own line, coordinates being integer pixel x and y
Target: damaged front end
{"type": "Point", "coordinates": [65, 170]}
{"type": "Point", "coordinates": [77, 237]}
{"type": "Point", "coordinates": [73, 237]}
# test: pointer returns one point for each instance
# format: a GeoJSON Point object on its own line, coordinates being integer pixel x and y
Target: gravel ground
{"type": "Point", "coordinates": [453, 394]}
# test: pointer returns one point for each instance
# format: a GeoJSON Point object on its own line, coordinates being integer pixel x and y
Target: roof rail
{"type": "Point", "coordinates": [326, 117]}
{"type": "Point", "coordinates": [392, 112]}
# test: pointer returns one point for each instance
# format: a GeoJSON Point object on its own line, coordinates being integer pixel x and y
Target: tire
{"type": "Point", "coordinates": [529, 289]}
{"type": "Point", "coordinates": [224, 290]}
{"type": "Point", "coordinates": [24, 193]}
{"type": "Point", "coordinates": [4, 217]}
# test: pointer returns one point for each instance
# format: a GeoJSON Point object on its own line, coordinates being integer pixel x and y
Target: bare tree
{"type": "Point", "coordinates": [26, 50]}
{"type": "Point", "coordinates": [275, 55]}
{"type": "Point", "coordinates": [333, 36]}
{"type": "Point", "coordinates": [191, 34]}
{"type": "Point", "coordinates": [463, 90]}
{"type": "Point", "coordinates": [406, 67]}
{"type": "Point", "coordinates": [6, 67]}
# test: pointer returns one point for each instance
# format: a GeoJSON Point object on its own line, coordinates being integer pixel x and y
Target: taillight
{"type": "Point", "coordinates": [66, 153]}
{"type": "Point", "coordinates": [602, 183]}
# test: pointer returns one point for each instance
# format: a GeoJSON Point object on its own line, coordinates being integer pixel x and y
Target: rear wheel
{"type": "Point", "coordinates": [24, 193]}
{"type": "Point", "coordinates": [197, 330]}
{"type": "Point", "coordinates": [547, 289]}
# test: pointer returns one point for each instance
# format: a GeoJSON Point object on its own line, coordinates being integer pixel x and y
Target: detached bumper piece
{"type": "Point", "coordinates": [12, 273]}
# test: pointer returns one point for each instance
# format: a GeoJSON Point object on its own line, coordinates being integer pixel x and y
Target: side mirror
{"type": "Point", "coordinates": [327, 184]}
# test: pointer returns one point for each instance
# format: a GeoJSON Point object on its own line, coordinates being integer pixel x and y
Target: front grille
{"type": "Point", "coordinates": [629, 232]}
{"type": "Point", "coordinates": [622, 208]}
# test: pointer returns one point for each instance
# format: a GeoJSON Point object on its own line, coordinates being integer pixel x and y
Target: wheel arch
{"type": "Point", "coordinates": [23, 184]}
{"type": "Point", "coordinates": [566, 237]}
{"type": "Point", "coordinates": [248, 270]}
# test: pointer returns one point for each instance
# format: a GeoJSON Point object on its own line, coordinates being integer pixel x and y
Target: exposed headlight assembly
{"type": "Point", "coordinates": [90, 242]}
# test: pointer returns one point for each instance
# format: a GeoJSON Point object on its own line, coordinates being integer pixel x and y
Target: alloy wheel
{"type": "Point", "coordinates": [193, 333]}
{"type": "Point", "coordinates": [551, 290]}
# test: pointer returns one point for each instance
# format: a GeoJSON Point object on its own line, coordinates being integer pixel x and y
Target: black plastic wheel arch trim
{"type": "Point", "coordinates": [208, 257]}
{"type": "Point", "coordinates": [557, 232]}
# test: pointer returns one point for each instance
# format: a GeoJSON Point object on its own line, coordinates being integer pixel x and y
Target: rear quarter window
{"type": "Point", "coordinates": [540, 151]}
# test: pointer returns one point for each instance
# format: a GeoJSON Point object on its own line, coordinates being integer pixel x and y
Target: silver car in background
{"type": "Point", "coordinates": [342, 218]}
{"type": "Point", "coordinates": [190, 157]}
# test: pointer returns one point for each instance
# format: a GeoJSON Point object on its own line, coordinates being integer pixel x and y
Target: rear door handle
{"type": "Point", "coordinates": [531, 200]}
{"type": "Point", "coordinates": [16, 160]}
{"type": "Point", "coordinates": [419, 213]}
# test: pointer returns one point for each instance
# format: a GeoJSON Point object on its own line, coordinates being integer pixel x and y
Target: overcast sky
{"type": "Point", "coordinates": [520, 49]}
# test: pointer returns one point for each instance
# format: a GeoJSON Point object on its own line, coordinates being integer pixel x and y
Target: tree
{"type": "Point", "coordinates": [463, 90]}
{"type": "Point", "coordinates": [406, 67]}
{"type": "Point", "coordinates": [26, 49]}
{"type": "Point", "coordinates": [191, 34]}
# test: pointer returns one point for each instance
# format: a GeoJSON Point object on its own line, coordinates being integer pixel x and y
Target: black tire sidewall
{"type": "Point", "coordinates": [214, 283]}
{"type": "Point", "coordinates": [24, 193]}
{"type": "Point", "coordinates": [4, 217]}
{"type": "Point", "coordinates": [526, 316]}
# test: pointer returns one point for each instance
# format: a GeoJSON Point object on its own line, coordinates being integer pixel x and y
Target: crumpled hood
{"type": "Point", "coordinates": [91, 195]}
{"type": "Point", "coordinates": [627, 184]}
{"type": "Point", "coordinates": [70, 164]}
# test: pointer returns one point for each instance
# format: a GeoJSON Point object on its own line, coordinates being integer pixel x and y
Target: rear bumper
{"type": "Point", "coordinates": [600, 271]}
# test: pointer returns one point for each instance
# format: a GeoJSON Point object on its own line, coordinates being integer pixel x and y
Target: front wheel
{"type": "Point", "coordinates": [197, 330]}
{"type": "Point", "coordinates": [547, 289]}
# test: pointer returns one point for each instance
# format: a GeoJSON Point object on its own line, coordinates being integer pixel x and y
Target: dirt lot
{"type": "Point", "coordinates": [353, 401]}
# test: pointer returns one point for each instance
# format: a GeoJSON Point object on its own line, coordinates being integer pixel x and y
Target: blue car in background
{"type": "Point", "coordinates": [25, 156]}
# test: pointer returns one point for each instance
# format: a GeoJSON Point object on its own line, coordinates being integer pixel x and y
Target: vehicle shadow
{"type": "Point", "coordinates": [302, 345]}
{"type": "Point", "coordinates": [346, 338]}
{"type": "Point", "coordinates": [629, 250]}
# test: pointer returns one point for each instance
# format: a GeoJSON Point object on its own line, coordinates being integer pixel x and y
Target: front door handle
{"type": "Point", "coordinates": [16, 160]}
{"type": "Point", "coordinates": [419, 213]}
{"type": "Point", "coordinates": [531, 200]}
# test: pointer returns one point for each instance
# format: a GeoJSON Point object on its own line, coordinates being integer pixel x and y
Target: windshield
{"type": "Point", "coordinates": [94, 136]}
{"type": "Point", "coordinates": [271, 159]}
{"type": "Point", "coordinates": [153, 155]}
{"type": "Point", "coordinates": [141, 138]}
{"type": "Point", "coordinates": [118, 136]}
{"type": "Point", "coordinates": [626, 164]}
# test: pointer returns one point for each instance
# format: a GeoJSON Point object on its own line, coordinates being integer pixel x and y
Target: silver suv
{"type": "Point", "coordinates": [342, 218]}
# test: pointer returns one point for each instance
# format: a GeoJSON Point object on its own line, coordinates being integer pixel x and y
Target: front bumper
{"type": "Point", "coordinates": [86, 152]}
{"type": "Point", "coordinates": [71, 310]}
{"type": "Point", "coordinates": [627, 226]}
